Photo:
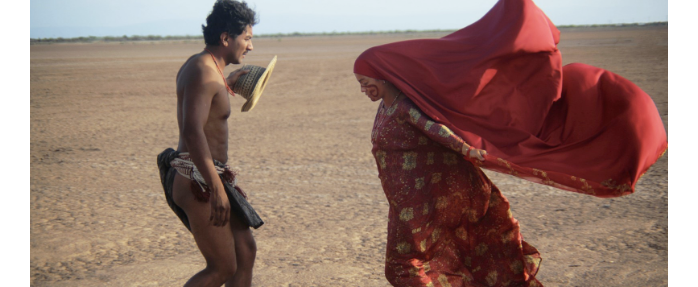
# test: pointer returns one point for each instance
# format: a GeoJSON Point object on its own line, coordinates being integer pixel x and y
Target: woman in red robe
{"type": "Point", "coordinates": [493, 95]}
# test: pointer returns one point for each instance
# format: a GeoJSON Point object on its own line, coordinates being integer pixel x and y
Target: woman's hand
{"type": "Point", "coordinates": [472, 152]}
{"type": "Point", "coordinates": [477, 153]}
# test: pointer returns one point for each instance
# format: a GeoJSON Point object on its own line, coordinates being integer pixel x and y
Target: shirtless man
{"type": "Point", "coordinates": [198, 185]}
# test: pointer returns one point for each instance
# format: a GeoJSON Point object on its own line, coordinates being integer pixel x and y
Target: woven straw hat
{"type": "Point", "coordinates": [251, 85]}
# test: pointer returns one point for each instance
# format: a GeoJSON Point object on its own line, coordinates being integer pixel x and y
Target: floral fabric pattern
{"type": "Point", "coordinates": [448, 224]}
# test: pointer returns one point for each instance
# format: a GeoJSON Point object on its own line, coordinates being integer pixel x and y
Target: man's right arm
{"type": "Point", "coordinates": [196, 106]}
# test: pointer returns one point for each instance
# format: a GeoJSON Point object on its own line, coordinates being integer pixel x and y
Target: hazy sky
{"type": "Point", "coordinates": [75, 18]}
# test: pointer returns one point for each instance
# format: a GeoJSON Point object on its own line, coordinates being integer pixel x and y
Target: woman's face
{"type": "Point", "coordinates": [371, 87]}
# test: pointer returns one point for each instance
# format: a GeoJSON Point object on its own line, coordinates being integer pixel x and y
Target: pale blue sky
{"type": "Point", "coordinates": [117, 16]}
{"type": "Point", "coordinates": [75, 18]}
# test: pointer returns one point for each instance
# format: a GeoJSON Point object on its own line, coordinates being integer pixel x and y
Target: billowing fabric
{"type": "Point", "coordinates": [499, 84]}
{"type": "Point", "coordinates": [170, 161]}
{"type": "Point", "coordinates": [448, 225]}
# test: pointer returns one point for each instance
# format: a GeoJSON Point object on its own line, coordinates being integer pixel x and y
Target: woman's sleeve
{"type": "Point", "coordinates": [436, 131]}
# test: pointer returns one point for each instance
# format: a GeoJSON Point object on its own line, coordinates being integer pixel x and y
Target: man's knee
{"type": "Point", "coordinates": [247, 246]}
{"type": "Point", "coordinates": [223, 271]}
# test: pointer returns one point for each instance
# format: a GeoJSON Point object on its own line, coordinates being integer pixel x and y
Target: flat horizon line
{"type": "Point", "coordinates": [88, 39]}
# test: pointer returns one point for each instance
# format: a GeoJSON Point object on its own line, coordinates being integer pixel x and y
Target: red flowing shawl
{"type": "Point", "coordinates": [500, 85]}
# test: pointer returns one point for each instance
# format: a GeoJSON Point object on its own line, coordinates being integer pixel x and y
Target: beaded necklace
{"type": "Point", "coordinates": [220, 72]}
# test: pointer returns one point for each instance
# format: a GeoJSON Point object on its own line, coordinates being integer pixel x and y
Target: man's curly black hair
{"type": "Point", "coordinates": [227, 16]}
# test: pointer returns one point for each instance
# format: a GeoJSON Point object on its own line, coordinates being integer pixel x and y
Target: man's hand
{"type": "Point", "coordinates": [234, 76]}
{"type": "Point", "coordinates": [220, 206]}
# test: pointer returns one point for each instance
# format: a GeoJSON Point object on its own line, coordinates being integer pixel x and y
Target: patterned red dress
{"type": "Point", "coordinates": [448, 224]}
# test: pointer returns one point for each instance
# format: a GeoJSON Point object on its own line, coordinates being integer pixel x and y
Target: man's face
{"type": "Point", "coordinates": [240, 45]}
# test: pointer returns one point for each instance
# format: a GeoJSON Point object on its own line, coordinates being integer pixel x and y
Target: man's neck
{"type": "Point", "coordinates": [217, 53]}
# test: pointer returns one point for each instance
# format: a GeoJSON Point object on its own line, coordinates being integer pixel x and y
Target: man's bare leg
{"type": "Point", "coordinates": [217, 244]}
{"type": "Point", "coordinates": [246, 251]}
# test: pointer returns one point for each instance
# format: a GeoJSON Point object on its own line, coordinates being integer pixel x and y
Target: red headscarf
{"type": "Point", "coordinates": [499, 84]}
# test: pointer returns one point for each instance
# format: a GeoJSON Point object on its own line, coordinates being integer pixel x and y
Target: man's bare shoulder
{"type": "Point", "coordinates": [197, 70]}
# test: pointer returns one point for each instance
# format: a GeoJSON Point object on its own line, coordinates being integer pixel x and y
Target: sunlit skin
{"type": "Point", "coordinates": [232, 50]}
{"type": "Point", "coordinates": [203, 108]}
{"type": "Point", "coordinates": [239, 45]}
{"type": "Point", "coordinates": [376, 90]}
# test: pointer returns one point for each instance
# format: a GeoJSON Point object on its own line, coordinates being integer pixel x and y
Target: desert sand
{"type": "Point", "coordinates": [100, 114]}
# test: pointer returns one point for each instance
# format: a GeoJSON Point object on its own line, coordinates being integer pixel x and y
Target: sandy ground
{"type": "Point", "coordinates": [100, 113]}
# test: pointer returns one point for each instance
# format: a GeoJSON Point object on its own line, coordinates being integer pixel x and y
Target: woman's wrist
{"type": "Point", "coordinates": [465, 150]}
